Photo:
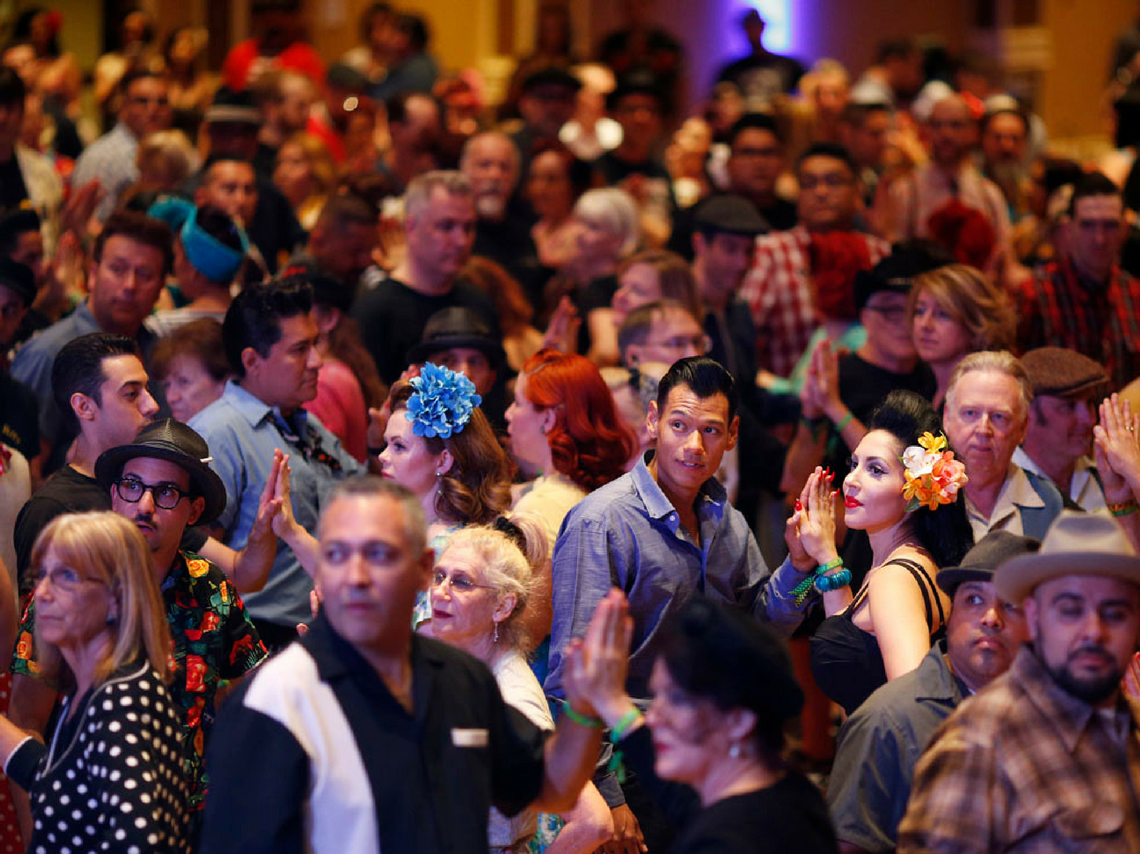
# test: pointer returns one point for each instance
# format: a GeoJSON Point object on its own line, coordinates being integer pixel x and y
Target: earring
{"type": "Point", "coordinates": [734, 750]}
{"type": "Point", "coordinates": [439, 474]}
{"type": "Point", "coordinates": [495, 634]}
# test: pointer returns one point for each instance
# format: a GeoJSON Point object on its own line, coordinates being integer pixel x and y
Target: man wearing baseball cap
{"type": "Point", "coordinates": [881, 742]}
{"type": "Point", "coordinates": [162, 483]}
{"type": "Point", "coordinates": [1047, 758]}
{"type": "Point", "coordinates": [1058, 439]}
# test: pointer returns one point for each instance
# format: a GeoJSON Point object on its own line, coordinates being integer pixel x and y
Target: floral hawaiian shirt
{"type": "Point", "coordinates": [212, 638]}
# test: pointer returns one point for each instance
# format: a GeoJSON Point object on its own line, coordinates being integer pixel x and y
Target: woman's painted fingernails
{"type": "Point", "coordinates": [799, 505]}
{"type": "Point", "coordinates": [834, 492]}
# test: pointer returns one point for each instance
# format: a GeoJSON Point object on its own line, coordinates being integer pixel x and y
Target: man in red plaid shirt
{"type": "Point", "coordinates": [778, 288]}
{"type": "Point", "coordinates": [1083, 300]}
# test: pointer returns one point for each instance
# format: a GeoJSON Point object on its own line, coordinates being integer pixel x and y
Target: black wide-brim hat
{"type": "Point", "coordinates": [981, 562]}
{"type": "Point", "coordinates": [171, 440]}
{"type": "Point", "coordinates": [458, 327]}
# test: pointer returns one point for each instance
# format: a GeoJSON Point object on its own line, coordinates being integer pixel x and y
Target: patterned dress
{"type": "Point", "coordinates": [213, 640]}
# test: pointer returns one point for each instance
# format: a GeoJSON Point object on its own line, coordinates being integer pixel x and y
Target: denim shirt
{"type": "Point", "coordinates": [628, 535]}
{"type": "Point", "coordinates": [242, 432]}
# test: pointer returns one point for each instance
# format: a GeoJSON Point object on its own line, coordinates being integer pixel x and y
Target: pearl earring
{"type": "Point", "coordinates": [734, 750]}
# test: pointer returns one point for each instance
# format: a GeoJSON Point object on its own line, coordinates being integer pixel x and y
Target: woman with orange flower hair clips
{"type": "Point", "coordinates": [902, 490]}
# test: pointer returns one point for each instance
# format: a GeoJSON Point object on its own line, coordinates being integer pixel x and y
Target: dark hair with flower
{"type": "Point", "coordinates": [442, 402]}
{"type": "Point", "coordinates": [943, 529]}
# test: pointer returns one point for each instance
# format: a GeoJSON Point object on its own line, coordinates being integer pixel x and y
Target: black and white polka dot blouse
{"type": "Point", "coordinates": [113, 778]}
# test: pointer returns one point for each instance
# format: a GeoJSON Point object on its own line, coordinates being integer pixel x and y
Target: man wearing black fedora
{"type": "Point", "coordinates": [458, 338]}
{"type": "Point", "coordinates": [161, 482]}
{"type": "Point", "coordinates": [881, 742]}
{"type": "Point", "coordinates": [1047, 758]}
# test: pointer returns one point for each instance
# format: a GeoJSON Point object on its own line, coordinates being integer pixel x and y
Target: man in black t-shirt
{"type": "Point", "coordinates": [439, 225]}
{"type": "Point", "coordinates": [761, 76]}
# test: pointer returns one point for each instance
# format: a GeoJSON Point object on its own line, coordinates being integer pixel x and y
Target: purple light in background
{"type": "Point", "coordinates": [777, 15]}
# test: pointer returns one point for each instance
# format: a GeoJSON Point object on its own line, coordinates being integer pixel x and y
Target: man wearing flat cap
{"type": "Point", "coordinates": [881, 742]}
{"type": "Point", "coordinates": [162, 483]}
{"type": "Point", "coordinates": [1047, 758]}
{"type": "Point", "coordinates": [723, 239]}
{"type": "Point", "coordinates": [1058, 439]}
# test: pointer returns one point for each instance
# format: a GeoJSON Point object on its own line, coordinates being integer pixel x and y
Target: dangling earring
{"type": "Point", "coordinates": [495, 634]}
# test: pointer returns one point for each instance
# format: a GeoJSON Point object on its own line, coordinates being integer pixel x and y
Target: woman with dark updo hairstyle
{"type": "Point", "coordinates": [709, 749]}
{"type": "Point", "coordinates": [903, 491]}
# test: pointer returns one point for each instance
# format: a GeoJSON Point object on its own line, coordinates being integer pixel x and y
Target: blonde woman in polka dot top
{"type": "Point", "coordinates": [112, 777]}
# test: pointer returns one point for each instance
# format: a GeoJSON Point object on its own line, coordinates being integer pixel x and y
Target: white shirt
{"type": "Point", "coordinates": [1084, 489]}
{"type": "Point", "coordinates": [1015, 493]}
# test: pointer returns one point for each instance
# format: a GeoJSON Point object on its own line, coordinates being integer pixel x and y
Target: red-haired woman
{"type": "Point", "coordinates": [563, 425]}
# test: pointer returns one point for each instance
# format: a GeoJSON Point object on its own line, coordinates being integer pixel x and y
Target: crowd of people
{"type": "Point", "coordinates": [386, 468]}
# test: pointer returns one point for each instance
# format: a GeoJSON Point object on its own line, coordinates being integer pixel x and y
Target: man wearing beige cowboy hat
{"type": "Point", "coordinates": [1047, 758]}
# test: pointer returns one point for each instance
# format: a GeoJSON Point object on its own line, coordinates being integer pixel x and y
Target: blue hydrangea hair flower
{"type": "Point", "coordinates": [442, 402]}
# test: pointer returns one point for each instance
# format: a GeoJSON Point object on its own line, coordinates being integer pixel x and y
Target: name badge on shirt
{"type": "Point", "coordinates": [461, 737]}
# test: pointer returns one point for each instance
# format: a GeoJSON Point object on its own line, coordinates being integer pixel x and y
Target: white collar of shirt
{"type": "Point", "coordinates": [1084, 490]}
{"type": "Point", "coordinates": [1016, 492]}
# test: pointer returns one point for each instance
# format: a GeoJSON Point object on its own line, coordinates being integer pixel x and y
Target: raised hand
{"type": "Point", "coordinates": [1117, 450]}
{"type": "Point", "coordinates": [597, 664]}
{"type": "Point", "coordinates": [816, 510]}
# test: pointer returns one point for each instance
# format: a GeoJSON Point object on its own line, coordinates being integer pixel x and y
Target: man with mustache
{"type": "Point", "coordinates": [161, 483]}
{"type": "Point", "coordinates": [881, 742]}
{"type": "Point", "coordinates": [1067, 387]}
{"type": "Point", "coordinates": [1047, 758]}
{"type": "Point", "coordinates": [270, 340]}
{"type": "Point", "coordinates": [986, 416]}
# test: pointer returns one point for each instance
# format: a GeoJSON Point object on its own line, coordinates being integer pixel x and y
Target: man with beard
{"type": "Point", "coordinates": [881, 742]}
{"type": "Point", "coordinates": [270, 340]}
{"type": "Point", "coordinates": [160, 483]}
{"type": "Point", "coordinates": [1066, 390]}
{"type": "Point", "coordinates": [502, 222]}
{"type": "Point", "coordinates": [1004, 137]}
{"type": "Point", "coordinates": [1047, 757]}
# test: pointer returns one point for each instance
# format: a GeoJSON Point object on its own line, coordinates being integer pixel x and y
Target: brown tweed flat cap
{"type": "Point", "coordinates": [1058, 372]}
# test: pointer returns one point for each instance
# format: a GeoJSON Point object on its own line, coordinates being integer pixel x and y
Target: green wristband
{"type": "Point", "coordinates": [844, 421]}
{"type": "Point", "coordinates": [592, 723]}
{"type": "Point", "coordinates": [621, 728]}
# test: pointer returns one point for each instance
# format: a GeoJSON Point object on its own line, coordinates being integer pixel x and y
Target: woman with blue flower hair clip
{"type": "Point", "coordinates": [440, 446]}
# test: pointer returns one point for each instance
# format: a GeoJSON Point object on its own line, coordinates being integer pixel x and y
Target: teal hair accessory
{"type": "Point", "coordinates": [210, 257]}
{"type": "Point", "coordinates": [442, 403]}
{"type": "Point", "coordinates": [173, 210]}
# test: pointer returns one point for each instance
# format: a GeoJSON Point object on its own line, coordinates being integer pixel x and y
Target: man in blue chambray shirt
{"type": "Point", "coordinates": [665, 532]}
{"type": "Point", "coordinates": [270, 340]}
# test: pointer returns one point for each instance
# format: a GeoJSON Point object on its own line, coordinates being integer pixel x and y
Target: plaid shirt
{"type": "Point", "coordinates": [779, 294]}
{"type": "Point", "coordinates": [1060, 309]}
{"type": "Point", "coordinates": [1025, 767]}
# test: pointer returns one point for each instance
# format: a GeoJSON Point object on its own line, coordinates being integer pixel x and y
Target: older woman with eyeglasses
{"type": "Point", "coordinates": [479, 591]}
{"type": "Point", "coordinates": [112, 777]}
